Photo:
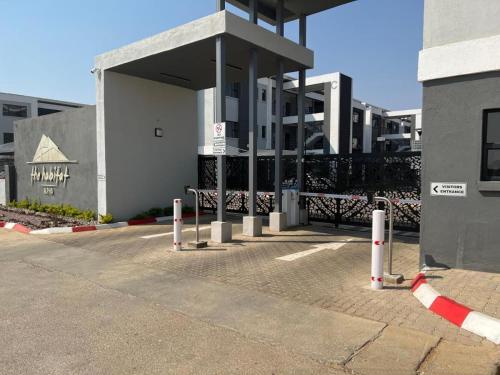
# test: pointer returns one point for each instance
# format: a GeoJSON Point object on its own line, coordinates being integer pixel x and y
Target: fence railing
{"type": "Point", "coordinates": [332, 179]}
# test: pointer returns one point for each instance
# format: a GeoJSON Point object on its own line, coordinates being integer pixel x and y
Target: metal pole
{"type": "Point", "coordinates": [197, 215]}
{"type": "Point", "coordinates": [388, 202]}
{"type": "Point", "coordinates": [198, 244]}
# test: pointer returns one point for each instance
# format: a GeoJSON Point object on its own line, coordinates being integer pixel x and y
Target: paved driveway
{"type": "Point", "coordinates": [116, 302]}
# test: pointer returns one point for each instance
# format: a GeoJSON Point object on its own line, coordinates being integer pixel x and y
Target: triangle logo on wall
{"type": "Point", "coordinates": [48, 152]}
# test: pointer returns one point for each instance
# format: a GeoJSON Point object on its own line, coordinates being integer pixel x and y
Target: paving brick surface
{"type": "Point", "coordinates": [331, 279]}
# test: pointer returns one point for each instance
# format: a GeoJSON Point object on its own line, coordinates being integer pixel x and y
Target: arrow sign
{"type": "Point", "coordinates": [449, 189]}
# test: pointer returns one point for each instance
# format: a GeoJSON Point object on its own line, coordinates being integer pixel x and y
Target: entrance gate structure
{"type": "Point", "coordinates": [152, 84]}
{"type": "Point", "coordinates": [337, 188]}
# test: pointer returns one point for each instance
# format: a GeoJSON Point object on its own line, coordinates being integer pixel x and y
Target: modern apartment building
{"type": "Point", "coordinates": [17, 107]}
{"type": "Point", "coordinates": [335, 122]}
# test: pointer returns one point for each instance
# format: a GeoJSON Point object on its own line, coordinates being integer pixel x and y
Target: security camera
{"type": "Point", "coordinates": [94, 70]}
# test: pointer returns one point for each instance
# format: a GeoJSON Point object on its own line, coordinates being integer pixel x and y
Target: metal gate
{"type": "Point", "coordinates": [336, 187]}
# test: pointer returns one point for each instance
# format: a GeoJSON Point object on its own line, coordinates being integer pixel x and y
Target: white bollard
{"type": "Point", "coordinates": [177, 224]}
{"type": "Point", "coordinates": [378, 230]}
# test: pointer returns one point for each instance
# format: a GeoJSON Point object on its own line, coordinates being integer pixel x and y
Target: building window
{"type": "Point", "coordinates": [15, 110]}
{"type": "Point", "coordinates": [263, 131]}
{"type": "Point", "coordinates": [46, 111]}
{"type": "Point", "coordinates": [355, 117]}
{"type": "Point", "coordinates": [8, 137]}
{"type": "Point", "coordinates": [491, 145]}
{"type": "Point", "coordinates": [264, 95]}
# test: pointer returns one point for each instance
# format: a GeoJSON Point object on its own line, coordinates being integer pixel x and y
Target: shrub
{"type": "Point", "coordinates": [23, 204]}
{"type": "Point", "coordinates": [34, 206]}
{"type": "Point", "coordinates": [105, 219]}
{"type": "Point", "coordinates": [139, 216]}
{"type": "Point", "coordinates": [86, 215]}
{"type": "Point", "coordinates": [155, 212]}
{"type": "Point", "coordinates": [168, 211]}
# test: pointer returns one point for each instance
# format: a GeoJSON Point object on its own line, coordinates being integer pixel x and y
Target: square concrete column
{"type": "Point", "coordinates": [277, 221]}
{"type": "Point", "coordinates": [303, 215]}
{"type": "Point", "coordinates": [252, 226]}
{"type": "Point", "coordinates": [221, 230]}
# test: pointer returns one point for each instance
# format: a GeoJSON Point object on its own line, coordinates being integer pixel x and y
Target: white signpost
{"type": "Point", "coordinates": [219, 147]}
{"type": "Point", "coordinates": [449, 189]}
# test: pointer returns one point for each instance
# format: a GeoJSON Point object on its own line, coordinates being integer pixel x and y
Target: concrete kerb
{"type": "Point", "coordinates": [85, 228]}
{"type": "Point", "coordinates": [456, 313]}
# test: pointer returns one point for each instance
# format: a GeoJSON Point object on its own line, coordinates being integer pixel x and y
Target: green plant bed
{"type": "Point", "coordinates": [64, 210]}
{"type": "Point", "coordinates": [158, 212]}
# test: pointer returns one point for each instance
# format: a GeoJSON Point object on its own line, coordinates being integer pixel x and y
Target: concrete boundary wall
{"type": "Point", "coordinates": [71, 135]}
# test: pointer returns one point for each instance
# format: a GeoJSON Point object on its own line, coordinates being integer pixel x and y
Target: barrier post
{"type": "Point", "coordinates": [390, 277]}
{"type": "Point", "coordinates": [197, 244]}
{"type": "Point", "coordinates": [177, 224]}
{"type": "Point", "coordinates": [378, 231]}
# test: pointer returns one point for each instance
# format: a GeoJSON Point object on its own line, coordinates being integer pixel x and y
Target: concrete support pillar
{"type": "Point", "coordinates": [367, 131]}
{"type": "Point", "coordinates": [301, 124]}
{"type": "Point", "coordinates": [278, 143]}
{"type": "Point", "coordinates": [277, 219]}
{"type": "Point", "coordinates": [252, 225]}
{"type": "Point", "coordinates": [221, 230]}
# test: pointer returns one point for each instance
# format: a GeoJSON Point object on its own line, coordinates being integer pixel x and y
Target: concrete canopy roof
{"type": "Point", "coordinates": [293, 8]}
{"type": "Point", "coordinates": [185, 56]}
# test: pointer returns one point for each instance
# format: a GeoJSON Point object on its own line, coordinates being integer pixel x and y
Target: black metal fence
{"type": "Point", "coordinates": [392, 175]}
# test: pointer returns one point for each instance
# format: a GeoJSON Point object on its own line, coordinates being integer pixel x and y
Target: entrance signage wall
{"type": "Point", "coordinates": [219, 138]}
{"type": "Point", "coordinates": [49, 166]}
{"type": "Point", "coordinates": [449, 189]}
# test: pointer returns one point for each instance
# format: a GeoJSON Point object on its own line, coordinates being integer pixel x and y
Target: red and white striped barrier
{"type": "Point", "coordinates": [177, 224]}
{"type": "Point", "coordinates": [456, 313]}
{"type": "Point", "coordinates": [378, 231]}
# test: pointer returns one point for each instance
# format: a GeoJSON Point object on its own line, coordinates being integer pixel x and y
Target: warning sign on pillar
{"type": "Point", "coordinates": [219, 141]}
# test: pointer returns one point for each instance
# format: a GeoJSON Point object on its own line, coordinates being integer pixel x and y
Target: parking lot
{"type": "Point", "coordinates": [304, 292]}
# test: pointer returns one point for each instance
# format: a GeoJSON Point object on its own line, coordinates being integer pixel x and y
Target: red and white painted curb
{"type": "Point", "coordinates": [85, 228]}
{"type": "Point", "coordinates": [458, 314]}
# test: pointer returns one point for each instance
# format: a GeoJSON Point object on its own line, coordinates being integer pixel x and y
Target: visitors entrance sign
{"type": "Point", "coordinates": [219, 147]}
{"type": "Point", "coordinates": [449, 189]}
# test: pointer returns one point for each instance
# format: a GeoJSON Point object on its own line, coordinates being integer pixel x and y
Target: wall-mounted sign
{"type": "Point", "coordinates": [449, 189]}
{"type": "Point", "coordinates": [56, 170]}
{"type": "Point", "coordinates": [219, 141]}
